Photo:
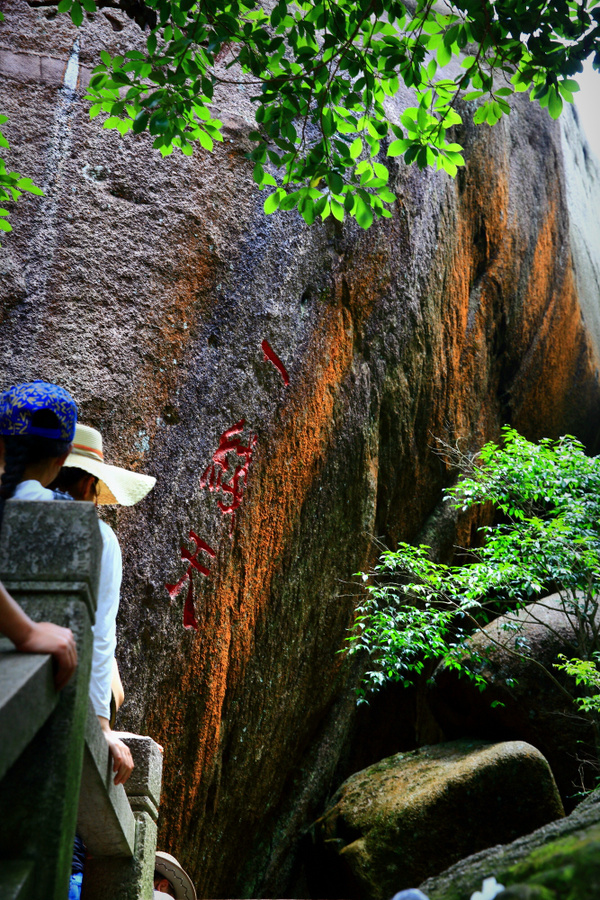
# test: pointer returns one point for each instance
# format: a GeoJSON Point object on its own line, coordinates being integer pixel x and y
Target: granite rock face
{"type": "Point", "coordinates": [147, 286]}
{"type": "Point", "coordinates": [401, 820]}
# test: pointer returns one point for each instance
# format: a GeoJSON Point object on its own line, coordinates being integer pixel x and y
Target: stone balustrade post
{"type": "Point", "coordinates": [132, 879]}
{"type": "Point", "coordinates": [49, 561]}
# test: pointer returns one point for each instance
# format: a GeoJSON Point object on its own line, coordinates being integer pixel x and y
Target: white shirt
{"type": "Point", "coordinates": [105, 627]}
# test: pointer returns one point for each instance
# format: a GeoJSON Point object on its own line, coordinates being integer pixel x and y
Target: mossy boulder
{"type": "Point", "coordinates": [529, 705]}
{"type": "Point", "coordinates": [527, 892]}
{"type": "Point", "coordinates": [560, 861]}
{"type": "Point", "coordinates": [413, 813]}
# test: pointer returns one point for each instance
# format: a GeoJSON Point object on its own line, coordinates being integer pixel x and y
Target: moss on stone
{"type": "Point", "coordinates": [570, 867]}
{"type": "Point", "coordinates": [528, 892]}
{"type": "Point", "coordinates": [567, 868]}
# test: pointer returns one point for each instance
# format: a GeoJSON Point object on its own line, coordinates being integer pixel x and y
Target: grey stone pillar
{"type": "Point", "coordinates": [118, 878]}
{"type": "Point", "coordinates": [49, 561]}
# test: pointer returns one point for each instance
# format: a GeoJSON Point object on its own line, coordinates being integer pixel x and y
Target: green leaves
{"type": "Point", "coordinates": [76, 8]}
{"type": "Point", "coordinates": [587, 675]}
{"type": "Point", "coordinates": [555, 103]}
{"type": "Point", "coordinates": [26, 184]}
{"type": "Point", "coordinates": [324, 71]}
{"type": "Point", "coordinates": [356, 148]}
{"type": "Point", "coordinates": [364, 215]}
{"type": "Point", "coordinates": [77, 13]}
{"type": "Point", "coordinates": [548, 540]}
{"type": "Point", "coordinates": [137, 95]}
{"type": "Point", "coordinates": [12, 184]}
{"type": "Point", "coordinates": [321, 75]}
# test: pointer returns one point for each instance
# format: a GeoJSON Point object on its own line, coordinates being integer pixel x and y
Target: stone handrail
{"type": "Point", "coordinates": [104, 819]}
{"type": "Point", "coordinates": [115, 873]}
{"type": "Point", "coordinates": [55, 770]}
{"type": "Point", "coordinates": [27, 697]}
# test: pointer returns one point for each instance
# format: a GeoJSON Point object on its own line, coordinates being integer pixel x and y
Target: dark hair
{"type": "Point", "coordinates": [68, 477]}
{"type": "Point", "coordinates": [158, 876]}
{"type": "Point", "coordinates": [22, 450]}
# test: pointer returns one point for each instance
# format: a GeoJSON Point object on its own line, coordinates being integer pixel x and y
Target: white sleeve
{"type": "Point", "coordinates": [105, 627]}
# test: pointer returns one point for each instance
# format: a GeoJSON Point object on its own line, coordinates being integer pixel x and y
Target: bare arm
{"type": "Point", "coordinates": [120, 752]}
{"type": "Point", "coordinates": [117, 686]}
{"type": "Point", "coordinates": [38, 637]}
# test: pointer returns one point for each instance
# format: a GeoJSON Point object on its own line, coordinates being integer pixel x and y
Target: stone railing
{"type": "Point", "coordinates": [55, 771]}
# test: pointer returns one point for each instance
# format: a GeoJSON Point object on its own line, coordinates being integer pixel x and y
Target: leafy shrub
{"type": "Point", "coordinates": [547, 497]}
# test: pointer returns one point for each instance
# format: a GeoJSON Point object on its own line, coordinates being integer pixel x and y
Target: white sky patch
{"type": "Point", "coordinates": [587, 102]}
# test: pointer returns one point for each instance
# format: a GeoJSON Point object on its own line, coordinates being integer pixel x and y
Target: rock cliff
{"type": "Point", "coordinates": [147, 287]}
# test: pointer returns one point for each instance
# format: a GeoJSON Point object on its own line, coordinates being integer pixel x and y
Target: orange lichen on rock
{"type": "Point", "coordinates": [477, 275]}
{"type": "Point", "coordinates": [171, 331]}
{"type": "Point", "coordinates": [275, 497]}
{"type": "Point", "coordinates": [557, 374]}
{"type": "Point", "coordinates": [246, 697]}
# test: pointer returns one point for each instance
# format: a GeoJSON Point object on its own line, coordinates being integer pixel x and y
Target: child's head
{"type": "Point", "coordinates": [76, 482]}
{"type": "Point", "coordinates": [86, 476]}
{"type": "Point", "coordinates": [170, 879]}
{"type": "Point", "coordinates": [37, 422]}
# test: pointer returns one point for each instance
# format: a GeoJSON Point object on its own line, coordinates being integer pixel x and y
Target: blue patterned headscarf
{"type": "Point", "coordinates": [18, 403]}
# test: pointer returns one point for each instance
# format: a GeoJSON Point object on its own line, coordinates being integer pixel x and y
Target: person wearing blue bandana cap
{"type": "Point", "coordinates": [37, 421]}
{"type": "Point", "coordinates": [22, 405]}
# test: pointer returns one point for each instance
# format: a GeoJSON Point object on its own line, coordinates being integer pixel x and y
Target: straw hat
{"type": "Point", "coordinates": [116, 485]}
{"type": "Point", "coordinates": [168, 866]}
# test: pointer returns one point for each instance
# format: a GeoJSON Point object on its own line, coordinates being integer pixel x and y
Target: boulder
{"type": "Point", "coordinates": [559, 861]}
{"type": "Point", "coordinates": [412, 813]}
{"type": "Point", "coordinates": [529, 706]}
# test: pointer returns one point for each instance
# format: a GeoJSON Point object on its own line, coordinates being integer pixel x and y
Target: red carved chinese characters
{"type": "Point", "coordinates": [222, 475]}
{"type": "Point", "coordinates": [271, 356]}
{"type": "Point", "coordinates": [189, 616]}
{"type": "Point", "coordinates": [213, 477]}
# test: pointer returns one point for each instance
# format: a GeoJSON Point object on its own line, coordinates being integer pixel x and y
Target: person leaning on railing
{"type": "Point", "coordinates": [86, 476]}
{"type": "Point", "coordinates": [36, 443]}
{"type": "Point", "coordinates": [38, 637]}
{"type": "Point", "coordinates": [37, 421]}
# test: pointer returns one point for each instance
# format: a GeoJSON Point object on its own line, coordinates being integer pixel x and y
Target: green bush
{"type": "Point", "coordinates": [546, 539]}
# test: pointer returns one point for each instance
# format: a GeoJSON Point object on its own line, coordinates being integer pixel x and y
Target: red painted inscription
{"type": "Point", "coordinates": [189, 616]}
{"type": "Point", "coordinates": [219, 469]}
{"type": "Point", "coordinates": [230, 478]}
{"type": "Point", "coordinates": [271, 356]}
